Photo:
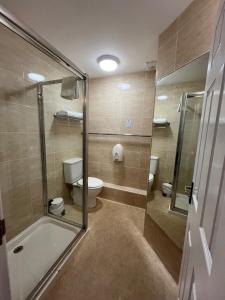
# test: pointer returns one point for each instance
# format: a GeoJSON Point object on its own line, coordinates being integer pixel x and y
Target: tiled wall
{"type": "Point", "coordinates": [164, 141]}
{"type": "Point", "coordinates": [20, 158]}
{"type": "Point", "coordinates": [188, 37]}
{"type": "Point", "coordinates": [112, 102]}
{"type": "Point", "coordinates": [20, 163]}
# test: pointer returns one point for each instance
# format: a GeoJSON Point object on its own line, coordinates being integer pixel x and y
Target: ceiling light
{"type": "Point", "coordinates": [162, 98]}
{"type": "Point", "coordinates": [124, 86]}
{"type": "Point", "coordinates": [36, 77]}
{"type": "Point", "coordinates": [108, 63]}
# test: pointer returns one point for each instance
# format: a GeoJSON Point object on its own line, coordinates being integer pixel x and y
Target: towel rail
{"type": "Point", "coordinates": [120, 134]}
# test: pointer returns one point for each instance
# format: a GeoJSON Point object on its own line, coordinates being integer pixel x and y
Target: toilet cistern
{"type": "Point", "coordinates": [153, 167]}
{"type": "Point", "coordinates": [73, 170]}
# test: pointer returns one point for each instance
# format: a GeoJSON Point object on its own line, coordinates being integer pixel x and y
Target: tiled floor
{"type": "Point", "coordinates": [172, 223]}
{"type": "Point", "coordinates": [114, 261]}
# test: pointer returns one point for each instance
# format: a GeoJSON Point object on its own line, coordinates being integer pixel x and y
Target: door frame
{"type": "Point", "coordinates": [203, 261]}
{"type": "Point", "coordinates": [5, 292]}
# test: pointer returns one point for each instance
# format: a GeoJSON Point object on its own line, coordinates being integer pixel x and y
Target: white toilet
{"type": "Point", "coordinates": [154, 162]}
{"type": "Point", "coordinates": [73, 175]}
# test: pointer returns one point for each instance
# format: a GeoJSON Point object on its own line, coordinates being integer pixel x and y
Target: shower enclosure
{"type": "Point", "coordinates": [190, 117]}
{"type": "Point", "coordinates": [35, 139]}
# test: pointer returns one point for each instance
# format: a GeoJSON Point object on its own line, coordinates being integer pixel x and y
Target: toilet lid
{"type": "Point", "coordinates": [57, 201]}
{"type": "Point", "coordinates": [93, 182]}
{"type": "Point", "coordinates": [150, 177]}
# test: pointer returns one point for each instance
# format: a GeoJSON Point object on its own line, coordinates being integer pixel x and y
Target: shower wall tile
{"type": "Point", "coordinates": [36, 197]}
{"type": "Point", "coordinates": [5, 183]}
{"type": "Point", "coordinates": [32, 144]}
{"type": "Point", "coordinates": [3, 116]}
{"type": "Point", "coordinates": [112, 101]}
{"type": "Point", "coordinates": [19, 203]}
{"type": "Point", "coordinates": [16, 145]}
{"type": "Point", "coordinates": [20, 154]}
{"type": "Point", "coordinates": [3, 147]}
{"type": "Point", "coordinates": [31, 119]}
{"type": "Point", "coordinates": [18, 172]}
{"type": "Point", "coordinates": [34, 167]}
{"type": "Point", "coordinates": [15, 118]}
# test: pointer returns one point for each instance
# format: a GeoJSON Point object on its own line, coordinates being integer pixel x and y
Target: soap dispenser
{"type": "Point", "coordinates": [117, 152]}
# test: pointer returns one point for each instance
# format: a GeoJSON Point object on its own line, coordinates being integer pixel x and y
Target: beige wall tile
{"type": "Point", "coordinates": [5, 182]}
{"type": "Point", "coordinates": [113, 101]}
{"type": "Point", "coordinates": [18, 172]}
{"type": "Point", "coordinates": [201, 25]}
{"type": "Point", "coordinates": [19, 201]}
{"type": "Point", "coordinates": [15, 118]}
{"type": "Point", "coordinates": [36, 194]}
{"type": "Point", "coordinates": [188, 37]}
{"type": "Point", "coordinates": [170, 31]}
{"type": "Point", "coordinates": [20, 155]}
{"type": "Point", "coordinates": [3, 147]}
{"type": "Point", "coordinates": [167, 57]}
{"type": "Point", "coordinates": [17, 146]}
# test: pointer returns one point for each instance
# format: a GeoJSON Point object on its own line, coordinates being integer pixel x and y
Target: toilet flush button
{"type": "Point", "coordinates": [128, 123]}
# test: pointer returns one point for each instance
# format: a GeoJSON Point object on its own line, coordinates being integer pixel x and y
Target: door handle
{"type": "Point", "coordinates": [2, 230]}
{"type": "Point", "coordinates": [191, 192]}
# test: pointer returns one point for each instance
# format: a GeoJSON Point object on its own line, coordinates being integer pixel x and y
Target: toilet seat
{"type": "Point", "coordinates": [93, 183]}
{"type": "Point", "coordinates": [150, 177]}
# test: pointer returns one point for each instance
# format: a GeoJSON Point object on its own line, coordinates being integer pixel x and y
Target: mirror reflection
{"type": "Point", "coordinates": [177, 115]}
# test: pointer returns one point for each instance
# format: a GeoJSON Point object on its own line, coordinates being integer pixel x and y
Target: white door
{"type": "Point", "coordinates": [4, 277]}
{"type": "Point", "coordinates": [203, 264]}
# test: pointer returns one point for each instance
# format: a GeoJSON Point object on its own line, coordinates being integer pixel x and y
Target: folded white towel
{"type": "Point", "coordinates": [160, 120]}
{"type": "Point", "coordinates": [69, 114]}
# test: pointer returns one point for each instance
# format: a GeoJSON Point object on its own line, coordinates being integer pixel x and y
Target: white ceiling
{"type": "Point", "coordinates": [84, 30]}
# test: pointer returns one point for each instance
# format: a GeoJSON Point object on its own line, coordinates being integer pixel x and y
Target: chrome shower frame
{"type": "Point", "coordinates": [9, 21]}
{"type": "Point", "coordinates": [40, 96]}
{"type": "Point", "coordinates": [183, 105]}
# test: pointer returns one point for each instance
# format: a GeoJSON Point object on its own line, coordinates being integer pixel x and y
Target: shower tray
{"type": "Point", "coordinates": [34, 251]}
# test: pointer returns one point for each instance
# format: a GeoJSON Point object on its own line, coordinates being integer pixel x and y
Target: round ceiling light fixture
{"type": "Point", "coordinates": [108, 63]}
{"type": "Point", "coordinates": [162, 97]}
{"type": "Point", "coordinates": [36, 77]}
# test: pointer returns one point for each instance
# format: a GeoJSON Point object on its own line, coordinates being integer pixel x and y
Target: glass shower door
{"type": "Point", "coordinates": [186, 149]}
{"type": "Point", "coordinates": [34, 145]}
{"type": "Point", "coordinates": [63, 142]}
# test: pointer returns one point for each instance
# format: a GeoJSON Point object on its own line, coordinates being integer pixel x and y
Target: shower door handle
{"type": "Point", "coordinates": [2, 230]}
{"type": "Point", "coordinates": [190, 197]}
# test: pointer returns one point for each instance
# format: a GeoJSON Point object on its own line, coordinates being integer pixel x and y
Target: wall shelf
{"type": "Point", "coordinates": [162, 125]}
{"type": "Point", "coordinates": [67, 118]}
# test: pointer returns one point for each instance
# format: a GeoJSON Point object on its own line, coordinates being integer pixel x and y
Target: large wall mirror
{"type": "Point", "coordinates": [177, 115]}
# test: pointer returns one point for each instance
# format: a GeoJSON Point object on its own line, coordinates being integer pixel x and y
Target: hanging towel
{"type": "Point", "coordinates": [69, 88]}
{"type": "Point", "coordinates": [69, 114]}
{"type": "Point", "coordinates": [160, 121]}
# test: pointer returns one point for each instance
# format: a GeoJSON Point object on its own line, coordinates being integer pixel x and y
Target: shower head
{"type": "Point", "coordinates": [70, 88]}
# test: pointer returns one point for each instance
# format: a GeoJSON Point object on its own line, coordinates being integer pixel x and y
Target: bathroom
{"type": "Point", "coordinates": [99, 140]}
